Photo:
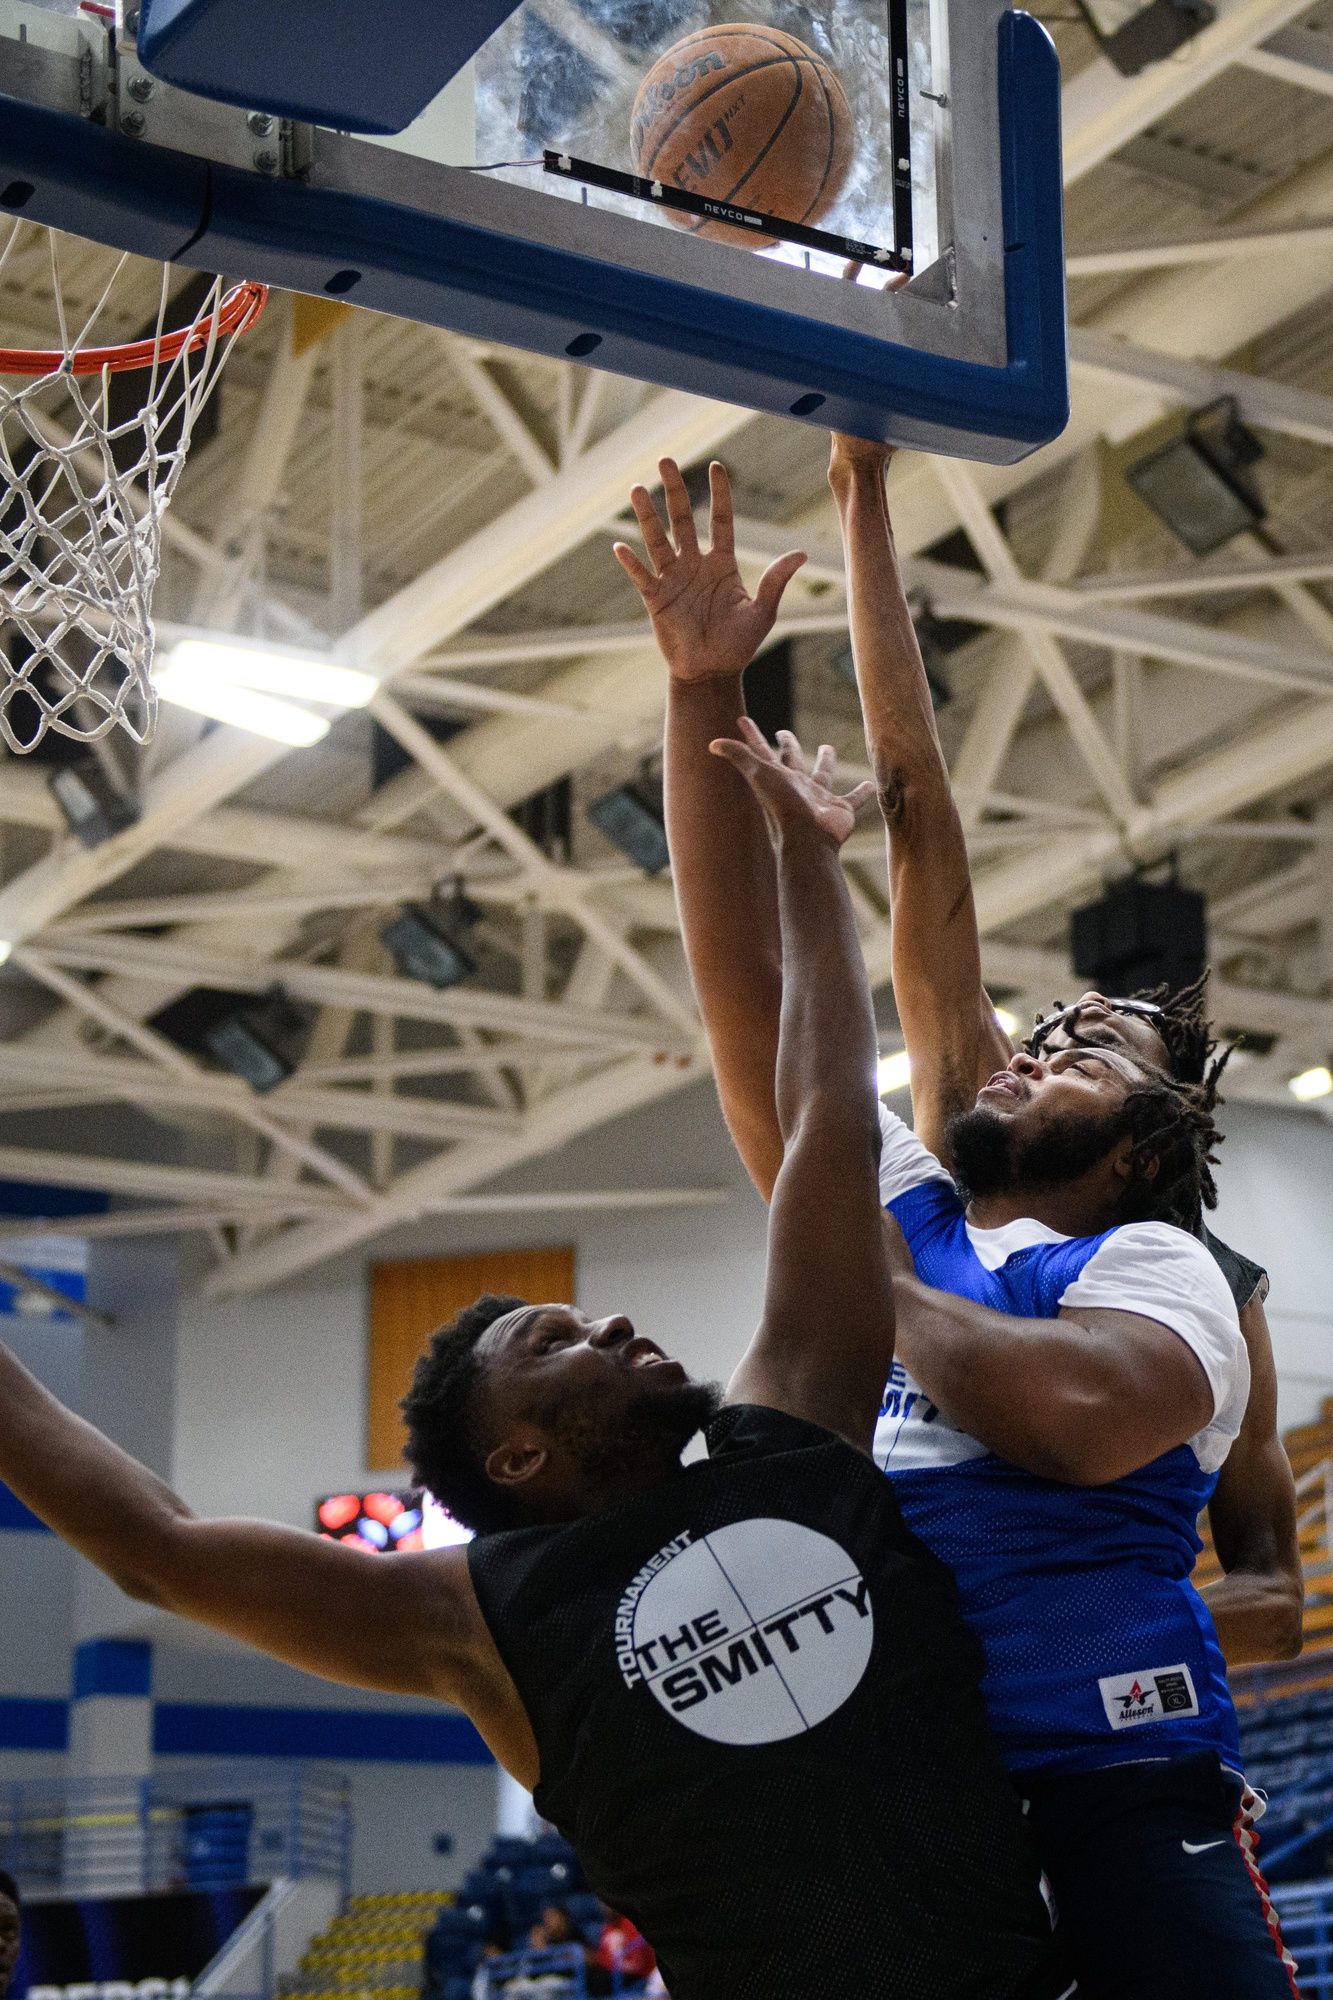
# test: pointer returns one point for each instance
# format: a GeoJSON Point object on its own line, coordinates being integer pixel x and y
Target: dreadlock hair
{"type": "Point", "coordinates": [1186, 1033]}
{"type": "Point", "coordinates": [1171, 1122]}
{"type": "Point", "coordinates": [438, 1410]}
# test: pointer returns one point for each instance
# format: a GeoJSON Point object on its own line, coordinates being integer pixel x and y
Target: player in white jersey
{"type": "Point", "coordinates": [1073, 1369]}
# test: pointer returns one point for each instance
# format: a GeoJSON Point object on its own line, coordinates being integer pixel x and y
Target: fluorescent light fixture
{"type": "Point", "coordinates": [5, 948]}
{"type": "Point", "coordinates": [1311, 1083]}
{"type": "Point", "coordinates": [301, 676]}
{"type": "Point", "coordinates": [894, 1072]}
{"type": "Point", "coordinates": [1007, 1023]}
{"type": "Point", "coordinates": [243, 709]}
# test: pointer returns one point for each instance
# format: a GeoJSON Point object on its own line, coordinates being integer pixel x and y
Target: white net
{"type": "Point", "coordinates": [92, 442]}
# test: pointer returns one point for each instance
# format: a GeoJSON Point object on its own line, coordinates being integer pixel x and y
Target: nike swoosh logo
{"type": "Point", "coordinates": [1190, 1848]}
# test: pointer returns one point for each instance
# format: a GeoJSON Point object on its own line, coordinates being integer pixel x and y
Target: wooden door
{"type": "Point", "coordinates": [409, 1300]}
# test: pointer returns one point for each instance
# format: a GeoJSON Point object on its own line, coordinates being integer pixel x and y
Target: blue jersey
{"type": "Point", "coordinates": [1099, 1650]}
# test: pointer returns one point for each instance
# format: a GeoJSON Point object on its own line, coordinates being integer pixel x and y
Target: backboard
{"type": "Point", "coordinates": [920, 300]}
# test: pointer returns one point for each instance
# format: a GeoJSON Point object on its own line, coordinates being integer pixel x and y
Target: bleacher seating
{"type": "Point", "coordinates": [1310, 1449]}
{"type": "Point", "coordinates": [373, 1950]}
{"type": "Point", "coordinates": [497, 1905]}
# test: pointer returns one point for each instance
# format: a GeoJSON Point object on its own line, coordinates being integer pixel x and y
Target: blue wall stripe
{"type": "Point", "coordinates": [208, 1730]}
{"type": "Point", "coordinates": [17, 1519]}
{"type": "Point", "coordinates": [27, 1723]}
{"type": "Point", "coordinates": [113, 1666]}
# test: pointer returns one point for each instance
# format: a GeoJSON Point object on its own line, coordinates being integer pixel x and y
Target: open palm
{"type": "Point", "coordinates": [704, 619]}
{"type": "Point", "coordinates": [791, 789]}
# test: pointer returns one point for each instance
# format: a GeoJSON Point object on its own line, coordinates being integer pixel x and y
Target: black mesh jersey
{"type": "Point", "coordinates": [758, 1718]}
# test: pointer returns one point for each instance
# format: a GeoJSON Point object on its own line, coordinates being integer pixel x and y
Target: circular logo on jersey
{"type": "Point", "coordinates": [751, 1634]}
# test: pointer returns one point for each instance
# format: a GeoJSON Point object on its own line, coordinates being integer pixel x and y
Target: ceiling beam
{"type": "Point", "coordinates": [1273, 406]}
{"type": "Point", "coordinates": [1301, 56]}
{"type": "Point", "coordinates": [488, 567]}
{"type": "Point", "coordinates": [169, 960]}
{"type": "Point", "coordinates": [1103, 110]}
{"type": "Point", "coordinates": [232, 1193]}
{"type": "Point", "coordinates": [1206, 247]}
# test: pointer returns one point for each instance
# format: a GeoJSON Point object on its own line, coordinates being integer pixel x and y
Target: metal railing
{"type": "Point", "coordinates": [215, 1827]}
{"type": "Point", "coordinates": [1306, 1913]}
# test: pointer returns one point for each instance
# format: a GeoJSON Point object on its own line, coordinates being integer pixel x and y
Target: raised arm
{"type": "Point", "coordinates": [1257, 1605]}
{"type": "Point", "coordinates": [408, 1624]}
{"type": "Point", "coordinates": [947, 1018]}
{"type": "Point", "coordinates": [825, 1343]}
{"type": "Point", "coordinates": [709, 629]}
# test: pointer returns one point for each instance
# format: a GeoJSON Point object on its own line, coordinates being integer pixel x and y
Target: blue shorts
{"type": "Point", "coordinates": [1154, 1870]}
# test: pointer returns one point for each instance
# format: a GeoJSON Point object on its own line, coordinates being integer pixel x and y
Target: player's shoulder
{"type": "Point", "coordinates": [904, 1160]}
{"type": "Point", "coordinates": [1165, 1257]}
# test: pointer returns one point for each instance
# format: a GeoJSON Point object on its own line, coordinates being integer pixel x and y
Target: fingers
{"type": "Point", "coordinates": [739, 754]}
{"type": "Point", "coordinates": [774, 579]}
{"type": "Point", "coordinates": [757, 741]}
{"type": "Point", "coordinates": [679, 512]}
{"type": "Point", "coordinates": [722, 533]}
{"type": "Point", "coordinates": [790, 752]}
{"type": "Point", "coordinates": [638, 573]}
{"type": "Point", "coordinates": [656, 540]}
{"type": "Point", "coordinates": [861, 796]}
{"type": "Point", "coordinates": [825, 764]}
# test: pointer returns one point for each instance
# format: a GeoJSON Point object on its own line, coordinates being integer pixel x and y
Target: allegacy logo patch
{"type": "Point", "coordinates": [1156, 1695]}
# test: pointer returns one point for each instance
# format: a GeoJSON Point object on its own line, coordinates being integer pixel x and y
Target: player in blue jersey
{"type": "Point", "coordinates": [1071, 1370]}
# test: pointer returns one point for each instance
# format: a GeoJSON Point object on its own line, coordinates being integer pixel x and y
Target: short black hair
{"type": "Point", "coordinates": [9, 1887]}
{"type": "Point", "coordinates": [439, 1411]}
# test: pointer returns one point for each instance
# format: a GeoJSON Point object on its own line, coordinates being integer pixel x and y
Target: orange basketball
{"type": "Point", "coordinates": [745, 114]}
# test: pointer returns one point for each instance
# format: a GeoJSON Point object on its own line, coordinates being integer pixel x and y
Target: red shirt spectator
{"type": "Point", "coordinates": [622, 1948]}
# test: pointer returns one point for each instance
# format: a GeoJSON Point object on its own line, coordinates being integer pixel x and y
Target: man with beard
{"type": "Point", "coordinates": [1071, 1371]}
{"type": "Point", "coordinates": [741, 1687]}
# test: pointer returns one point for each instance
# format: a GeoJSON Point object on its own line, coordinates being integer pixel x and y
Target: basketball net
{"type": "Point", "coordinates": [83, 489]}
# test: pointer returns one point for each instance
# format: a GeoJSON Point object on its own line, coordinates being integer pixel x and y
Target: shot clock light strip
{"type": "Point", "coordinates": [236, 683]}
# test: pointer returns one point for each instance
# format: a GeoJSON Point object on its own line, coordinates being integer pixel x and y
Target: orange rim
{"type": "Point", "coordinates": [237, 314]}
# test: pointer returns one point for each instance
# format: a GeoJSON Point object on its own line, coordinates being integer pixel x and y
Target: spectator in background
{"type": "Point", "coordinates": [554, 1926]}
{"type": "Point", "coordinates": [11, 1925]}
{"type": "Point", "coordinates": [623, 1949]}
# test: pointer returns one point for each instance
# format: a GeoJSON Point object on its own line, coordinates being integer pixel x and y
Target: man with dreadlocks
{"type": "Point", "coordinates": [1070, 1371]}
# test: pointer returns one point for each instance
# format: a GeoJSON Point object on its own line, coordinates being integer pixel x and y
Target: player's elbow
{"type": "Point", "coordinates": [1286, 1621]}
{"type": "Point", "coordinates": [912, 787]}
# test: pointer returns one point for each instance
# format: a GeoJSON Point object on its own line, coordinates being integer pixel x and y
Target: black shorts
{"type": "Point", "coordinates": [1154, 1870]}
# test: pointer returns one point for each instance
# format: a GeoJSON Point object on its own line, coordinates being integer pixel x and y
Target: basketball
{"type": "Point", "coordinates": [746, 114]}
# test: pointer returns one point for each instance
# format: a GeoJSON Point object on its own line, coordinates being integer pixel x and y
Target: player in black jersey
{"type": "Point", "coordinates": [740, 1686]}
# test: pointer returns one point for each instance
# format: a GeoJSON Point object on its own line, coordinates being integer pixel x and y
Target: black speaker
{"type": "Point", "coordinates": [1140, 934]}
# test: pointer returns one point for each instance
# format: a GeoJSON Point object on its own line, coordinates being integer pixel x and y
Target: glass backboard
{"type": "Point", "coordinates": [847, 211]}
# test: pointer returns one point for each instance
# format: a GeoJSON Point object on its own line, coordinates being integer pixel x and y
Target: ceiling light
{"type": "Point", "coordinates": [894, 1072]}
{"type": "Point", "coordinates": [270, 670]}
{"type": "Point", "coordinates": [5, 948]}
{"type": "Point", "coordinates": [426, 941]}
{"type": "Point", "coordinates": [1311, 1083]}
{"type": "Point", "coordinates": [632, 819]}
{"type": "Point", "coordinates": [258, 1039]}
{"type": "Point", "coordinates": [1007, 1023]}
{"type": "Point", "coordinates": [1134, 33]}
{"type": "Point", "coordinates": [1201, 485]}
{"type": "Point", "coordinates": [93, 807]}
{"type": "Point", "coordinates": [224, 702]}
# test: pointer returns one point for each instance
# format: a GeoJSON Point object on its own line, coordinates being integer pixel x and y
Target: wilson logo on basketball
{"type": "Point", "coordinates": [749, 1635]}
{"type": "Point", "coordinates": [743, 114]}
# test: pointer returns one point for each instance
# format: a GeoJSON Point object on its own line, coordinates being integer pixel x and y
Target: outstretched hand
{"type": "Point", "coordinates": [792, 790]}
{"type": "Point", "coordinates": [704, 619]}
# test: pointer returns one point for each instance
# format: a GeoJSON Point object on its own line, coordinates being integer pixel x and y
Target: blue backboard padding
{"type": "Point", "coordinates": [32, 1198]}
{"type": "Point", "coordinates": [529, 294]}
{"type": "Point", "coordinates": [113, 1666]}
{"type": "Point", "coordinates": [188, 1729]}
{"type": "Point", "coordinates": [15, 1518]}
{"type": "Point", "coordinates": [27, 1723]}
{"type": "Point", "coordinates": [331, 62]}
{"type": "Point", "coordinates": [97, 184]}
